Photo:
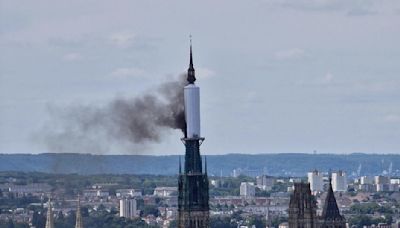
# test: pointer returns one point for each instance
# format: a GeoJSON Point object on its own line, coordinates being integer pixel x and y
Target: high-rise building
{"type": "Point", "coordinates": [193, 205]}
{"type": "Point", "coordinates": [165, 191]}
{"type": "Point", "coordinates": [382, 183]}
{"type": "Point", "coordinates": [129, 192]}
{"type": "Point", "coordinates": [366, 180]}
{"type": "Point", "coordinates": [78, 222]}
{"type": "Point", "coordinates": [50, 215]}
{"type": "Point", "coordinates": [339, 181]}
{"type": "Point", "coordinates": [265, 182]}
{"type": "Point", "coordinates": [247, 189]}
{"type": "Point", "coordinates": [302, 207]}
{"type": "Point", "coordinates": [315, 179]}
{"type": "Point", "coordinates": [331, 217]}
{"type": "Point", "coordinates": [382, 180]}
{"type": "Point", "coordinates": [127, 208]}
{"type": "Point", "coordinates": [237, 172]}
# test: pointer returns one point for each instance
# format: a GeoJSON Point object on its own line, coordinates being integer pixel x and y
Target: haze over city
{"type": "Point", "coordinates": [277, 76]}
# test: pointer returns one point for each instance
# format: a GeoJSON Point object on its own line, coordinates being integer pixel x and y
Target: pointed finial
{"type": "Point", "coordinates": [191, 74]}
{"type": "Point", "coordinates": [191, 55]}
{"type": "Point", "coordinates": [330, 180]}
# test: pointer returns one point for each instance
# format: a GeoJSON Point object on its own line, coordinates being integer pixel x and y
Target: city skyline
{"type": "Point", "coordinates": [277, 76]}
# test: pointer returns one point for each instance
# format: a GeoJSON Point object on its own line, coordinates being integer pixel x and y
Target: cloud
{"type": "Point", "coordinates": [127, 72]}
{"type": "Point", "coordinates": [123, 39]}
{"type": "Point", "coordinates": [322, 5]}
{"type": "Point", "coordinates": [381, 86]}
{"type": "Point", "coordinates": [307, 4]}
{"type": "Point", "coordinates": [204, 73]}
{"type": "Point", "coordinates": [289, 54]}
{"type": "Point", "coordinates": [349, 7]}
{"type": "Point", "coordinates": [392, 118]}
{"type": "Point", "coordinates": [322, 81]}
{"type": "Point", "coordinates": [327, 79]}
{"type": "Point", "coordinates": [73, 56]}
{"type": "Point", "coordinates": [361, 12]}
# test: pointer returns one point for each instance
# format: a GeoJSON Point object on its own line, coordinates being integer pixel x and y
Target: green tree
{"type": "Point", "coordinates": [222, 222]}
{"type": "Point", "coordinates": [256, 221]}
{"type": "Point", "coordinates": [84, 211]}
{"type": "Point", "coordinates": [173, 224]}
{"type": "Point", "coordinates": [10, 224]}
{"type": "Point", "coordinates": [38, 220]}
{"type": "Point", "coordinates": [150, 210]}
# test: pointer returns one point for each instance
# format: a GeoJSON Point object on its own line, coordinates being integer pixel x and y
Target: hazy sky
{"type": "Point", "coordinates": [275, 75]}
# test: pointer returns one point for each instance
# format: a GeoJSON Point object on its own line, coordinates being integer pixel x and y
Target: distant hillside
{"type": "Point", "coordinates": [272, 164]}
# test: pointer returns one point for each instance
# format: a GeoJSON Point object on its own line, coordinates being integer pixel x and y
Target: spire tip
{"type": "Point", "coordinates": [191, 73]}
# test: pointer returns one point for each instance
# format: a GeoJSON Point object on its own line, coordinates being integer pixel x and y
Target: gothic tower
{"type": "Point", "coordinates": [193, 208]}
{"type": "Point", "coordinates": [302, 207]}
{"type": "Point", "coordinates": [331, 217]}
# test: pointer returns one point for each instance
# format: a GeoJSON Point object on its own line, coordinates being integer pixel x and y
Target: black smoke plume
{"type": "Point", "coordinates": [126, 121]}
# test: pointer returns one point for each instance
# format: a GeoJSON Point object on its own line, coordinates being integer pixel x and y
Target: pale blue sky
{"type": "Point", "coordinates": [275, 75]}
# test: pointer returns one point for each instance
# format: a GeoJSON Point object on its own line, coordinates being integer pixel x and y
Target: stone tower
{"type": "Point", "coordinates": [302, 207]}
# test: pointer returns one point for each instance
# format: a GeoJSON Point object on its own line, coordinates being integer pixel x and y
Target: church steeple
{"type": "Point", "coordinates": [330, 213]}
{"type": "Point", "coordinates": [191, 78]}
{"type": "Point", "coordinates": [193, 197]}
{"type": "Point", "coordinates": [330, 210]}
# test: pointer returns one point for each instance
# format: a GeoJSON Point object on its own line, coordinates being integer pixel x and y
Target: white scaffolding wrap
{"type": "Point", "coordinates": [192, 110]}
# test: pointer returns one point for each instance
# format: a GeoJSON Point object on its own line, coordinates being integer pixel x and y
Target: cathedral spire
{"type": "Point", "coordinates": [79, 222]}
{"type": "Point", "coordinates": [193, 196]}
{"type": "Point", "coordinates": [330, 213]}
{"type": "Point", "coordinates": [191, 55]}
{"type": "Point", "coordinates": [330, 210]}
{"type": "Point", "coordinates": [191, 73]}
{"type": "Point", "coordinates": [50, 216]}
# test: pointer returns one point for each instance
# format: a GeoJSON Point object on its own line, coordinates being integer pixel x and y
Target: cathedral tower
{"type": "Point", "coordinates": [193, 208]}
{"type": "Point", "coordinates": [302, 207]}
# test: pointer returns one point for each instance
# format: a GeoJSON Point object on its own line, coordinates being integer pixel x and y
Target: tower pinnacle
{"type": "Point", "coordinates": [191, 73]}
